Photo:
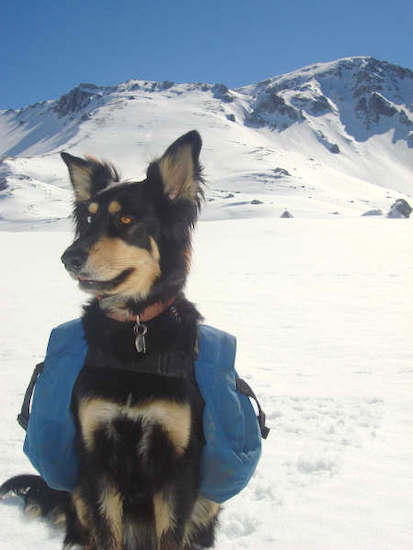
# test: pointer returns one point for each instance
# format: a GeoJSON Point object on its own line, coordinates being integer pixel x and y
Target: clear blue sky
{"type": "Point", "coordinates": [48, 47]}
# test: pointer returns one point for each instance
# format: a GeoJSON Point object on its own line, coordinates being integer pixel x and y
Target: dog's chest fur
{"type": "Point", "coordinates": [113, 395]}
{"type": "Point", "coordinates": [137, 431]}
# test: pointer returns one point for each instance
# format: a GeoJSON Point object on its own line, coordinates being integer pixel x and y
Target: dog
{"type": "Point", "coordinates": [139, 433]}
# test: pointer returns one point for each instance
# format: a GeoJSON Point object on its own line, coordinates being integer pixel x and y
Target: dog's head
{"type": "Point", "coordinates": [132, 243]}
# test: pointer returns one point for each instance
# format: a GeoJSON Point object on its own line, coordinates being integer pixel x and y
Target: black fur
{"type": "Point", "coordinates": [139, 469]}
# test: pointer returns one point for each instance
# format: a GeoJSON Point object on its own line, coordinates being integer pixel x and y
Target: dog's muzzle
{"type": "Point", "coordinates": [74, 259]}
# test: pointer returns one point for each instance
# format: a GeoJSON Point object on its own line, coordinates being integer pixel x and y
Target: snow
{"type": "Point", "coordinates": [131, 124]}
{"type": "Point", "coordinates": [322, 309]}
{"type": "Point", "coordinates": [321, 304]}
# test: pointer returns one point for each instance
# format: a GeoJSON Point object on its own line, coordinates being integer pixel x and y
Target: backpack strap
{"type": "Point", "coordinates": [23, 417]}
{"type": "Point", "coordinates": [176, 364]}
{"type": "Point", "coordinates": [246, 389]}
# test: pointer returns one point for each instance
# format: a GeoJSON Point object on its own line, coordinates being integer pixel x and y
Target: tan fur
{"type": "Point", "coordinates": [59, 519]}
{"type": "Point", "coordinates": [81, 179]}
{"type": "Point", "coordinates": [178, 174]}
{"type": "Point", "coordinates": [111, 507]}
{"type": "Point", "coordinates": [110, 256]}
{"type": "Point", "coordinates": [188, 259]}
{"type": "Point", "coordinates": [32, 510]}
{"type": "Point", "coordinates": [93, 207]}
{"type": "Point", "coordinates": [175, 419]}
{"type": "Point", "coordinates": [164, 518]}
{"type": "Point", "coordinates": [81, 509]}
{"type": "Point", "coordinates": [114, 207]}
{"type": "Point", "coordinates": [203, 513]}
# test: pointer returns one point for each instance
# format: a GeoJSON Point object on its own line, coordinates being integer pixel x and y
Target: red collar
{"type": "Point", "coordinates": [147, 314]}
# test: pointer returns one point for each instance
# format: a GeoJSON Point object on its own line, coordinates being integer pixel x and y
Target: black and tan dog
{"type": "Point", "coordinates": [139, 432]}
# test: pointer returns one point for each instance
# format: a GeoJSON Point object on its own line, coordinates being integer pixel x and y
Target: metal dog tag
{"type": "Point", "coordinates": [140, 330]}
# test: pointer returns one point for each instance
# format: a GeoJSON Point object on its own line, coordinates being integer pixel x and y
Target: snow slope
{"type": "Point", "coordinates": [329, 139]}
{"type": "Point", "coordinates": [323, 311]}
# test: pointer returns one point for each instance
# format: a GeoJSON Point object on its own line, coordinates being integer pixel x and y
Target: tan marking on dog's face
{"type": "Point", "coordinates": [114, 207]}
{"type": "Point", "coordinates": [93, 207]}
{"type": "Point", "coordinates": [164, 517]}
{"type": "Point", "coordinates": [111, 506]}
{"type": "Point", "coordinates": [178, 174]}
{"type": "Point", "coordinates": [203, 513]}
{"type": "Point", "coordinates": [109, 257]}
{"type": "Point", "coordinates": [174, 418]}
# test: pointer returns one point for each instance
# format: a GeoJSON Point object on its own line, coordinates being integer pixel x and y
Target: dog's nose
{"type": "Point", "coordinates": [73, 260]}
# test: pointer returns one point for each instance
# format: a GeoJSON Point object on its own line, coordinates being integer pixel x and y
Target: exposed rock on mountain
{"type": "Point", "coordinates": [363, 93]}
{"type": "Point", "coordinates": [78, 98]}
{"type": "Point", "coordinates": [220, 91]}
{"type": "Point", "coordinates": [281, 172]}
{"type": "Point", "coordinates": [374, 212]}
{"type": "Point", "coordinates": [271, 109]}
{"type": "Point", "coordinates": [313, 104]}
{"type": "Point", "coordinates": [400, 209]}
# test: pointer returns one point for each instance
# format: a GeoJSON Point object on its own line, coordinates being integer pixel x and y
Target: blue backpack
{"type": "Point", "coordinates": [232, 431]}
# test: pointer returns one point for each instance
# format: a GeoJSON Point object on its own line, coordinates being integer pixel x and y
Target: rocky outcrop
{"type": "Point", "coordinates": [220, 91]}
{"type": "Point", "coordinates": [373, 212]}
{"type": "Point", "coordinates": [332, 147]}
{"type": "Point", "coordinates": [365, 96]}
{"type": "Point", "coordinates": [271, 109]}
{"type": "Point", "coordinates": [373, 75]}
{"type": "Point", "coordinates": [76, 100]}
{"type": "Point", "coordinates": [313, 105]}
{"type": "Point", "coordinates": [374, 105]}
{"type": "Point", "coordinates": [400, 209]}
{"type": "Point", "coordinates": [281, 173]}
{"type": "Point", "coordinates": [4, 173]}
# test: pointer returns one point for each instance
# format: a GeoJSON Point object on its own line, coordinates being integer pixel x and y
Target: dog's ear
{"type": "Point", "coordinates": [179, 168]}
{"type": "Point", "coordinates": [88, 176]}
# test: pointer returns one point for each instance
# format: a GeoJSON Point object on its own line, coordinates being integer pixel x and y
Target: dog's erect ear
{"type": "Point", "coordinates": [88, 176]}
{"type": "Point", "coordinates": [180, 169]}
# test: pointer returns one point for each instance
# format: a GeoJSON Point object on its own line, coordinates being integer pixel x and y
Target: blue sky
{"type": "Point", "coordinates": [48, 47]}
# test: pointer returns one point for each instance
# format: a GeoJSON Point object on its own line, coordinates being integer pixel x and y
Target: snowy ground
{"type": "Point", "coordinates": [323, 311]}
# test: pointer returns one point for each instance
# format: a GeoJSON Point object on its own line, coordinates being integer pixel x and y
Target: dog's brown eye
{"type": "Point", "coordinates": [126, 220]}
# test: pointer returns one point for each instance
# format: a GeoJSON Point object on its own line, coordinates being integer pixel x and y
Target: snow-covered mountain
{"type": "Point", "coordinates": [329, 138]}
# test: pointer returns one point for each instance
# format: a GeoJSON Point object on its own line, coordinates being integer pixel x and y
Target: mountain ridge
{"type": "Point", "coordinates": [340, 127]}
{"type": "Point", "coordinates": [365, 62]}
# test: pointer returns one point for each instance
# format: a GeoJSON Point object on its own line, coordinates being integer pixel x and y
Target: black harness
{"type": "Point", "coordinates": [174, 364]}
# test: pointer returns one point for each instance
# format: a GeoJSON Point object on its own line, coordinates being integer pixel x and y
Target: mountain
{"type": "Point", "coordinates": [328, 139]}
